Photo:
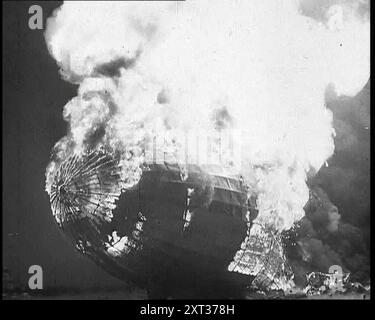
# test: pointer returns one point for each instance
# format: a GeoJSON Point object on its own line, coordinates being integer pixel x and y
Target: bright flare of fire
{"type": "Point", "coordinates": [162, 67]}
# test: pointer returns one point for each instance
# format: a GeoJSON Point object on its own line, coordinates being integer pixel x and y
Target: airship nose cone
{"type": "Point", "coordinates": [85, 187]}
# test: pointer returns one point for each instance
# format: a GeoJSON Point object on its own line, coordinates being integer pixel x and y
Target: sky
{"type": "Point", "coordinates": [32, 122]}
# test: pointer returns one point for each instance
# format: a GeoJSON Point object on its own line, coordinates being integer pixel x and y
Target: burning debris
{"type": "Point", "coordinates": [330, 283]}
{"type": "Point", "coordinates": [158, 71]}
{"type": "Point", "coordinates": [262, 256]}
{"type": "Point", "coordinates": [319, 283]}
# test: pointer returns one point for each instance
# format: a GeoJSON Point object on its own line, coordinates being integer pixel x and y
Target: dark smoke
{"type": "Point", "coordinates": [336, 227]}
{"type": "Point", "coordinates": [222, 118]}
{"type": "Point", "coordinates": [113, 68]}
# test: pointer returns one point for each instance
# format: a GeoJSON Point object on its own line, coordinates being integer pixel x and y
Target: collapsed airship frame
{"type": "Point", "coordinates": [178, 228]}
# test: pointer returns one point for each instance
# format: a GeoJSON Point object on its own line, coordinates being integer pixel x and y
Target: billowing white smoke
{"type": "Point", "coordinates": [170, 66]}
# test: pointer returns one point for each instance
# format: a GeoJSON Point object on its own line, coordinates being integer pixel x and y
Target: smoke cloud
{"type": "Point", "coordinates": [263, 66]}
{"type": "Point", "coordinates": [322, 239]}
{"type": "Point", "coordinates": [346, 183]}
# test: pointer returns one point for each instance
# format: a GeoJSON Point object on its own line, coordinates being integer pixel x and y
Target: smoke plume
{"type": "Point", "coordinates": [262, 67]}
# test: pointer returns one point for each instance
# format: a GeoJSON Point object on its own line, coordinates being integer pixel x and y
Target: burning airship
{"type": "Point", "coordinates": [178, 228]}
{"type": "Point", "coordinates": [259, 67]}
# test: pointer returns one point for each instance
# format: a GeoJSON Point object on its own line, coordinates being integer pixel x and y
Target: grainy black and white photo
{"type": "Point", "coordinates": [186, 150]}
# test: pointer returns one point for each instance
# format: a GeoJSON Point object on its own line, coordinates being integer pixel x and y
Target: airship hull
{"type": "Point", "coordinates": [151, 241]}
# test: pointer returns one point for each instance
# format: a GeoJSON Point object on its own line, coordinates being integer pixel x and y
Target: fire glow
{"type": "Point", "coordinates": [161, 69]}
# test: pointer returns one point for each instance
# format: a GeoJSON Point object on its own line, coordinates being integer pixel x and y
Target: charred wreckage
{"type": "Point", "coordinates": [182, 230]}
{"type": "Point", "coordinates": [178, 228]}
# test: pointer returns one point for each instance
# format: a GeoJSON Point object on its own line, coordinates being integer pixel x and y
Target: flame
{"type": "Point", "coordinates": [147, 69]}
